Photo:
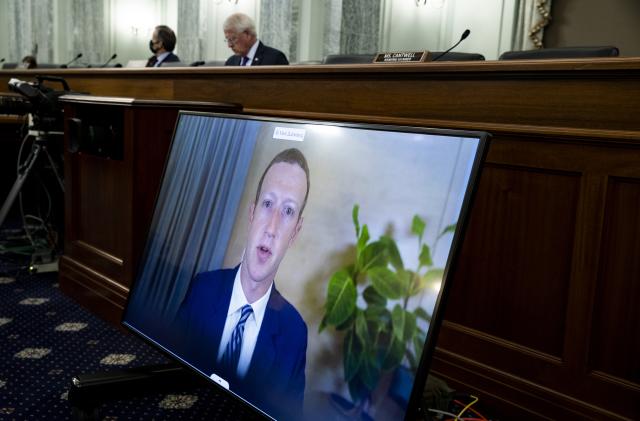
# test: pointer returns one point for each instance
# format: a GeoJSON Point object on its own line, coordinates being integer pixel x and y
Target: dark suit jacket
{"type": "Point", "coordinates": [171, 58]}
{"type": "Point", "coordinates": [275, 379]}
{"type": "Point", "coordinates": [265, 56]}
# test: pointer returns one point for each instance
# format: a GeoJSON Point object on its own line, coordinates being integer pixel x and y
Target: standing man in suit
{"type": "Point", "coordinates": [240, 35]}
{"type": "Point", "coordinates": [236, 326]}
{"type": "Point", "coordinates": [162, 43]}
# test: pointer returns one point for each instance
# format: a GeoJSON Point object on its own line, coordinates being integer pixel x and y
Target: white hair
{"type": "Point", "coordinates": [239, 22]}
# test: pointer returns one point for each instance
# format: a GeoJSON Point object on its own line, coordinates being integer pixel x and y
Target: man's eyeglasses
{"type": "Point", "coordinates": [231, 40]}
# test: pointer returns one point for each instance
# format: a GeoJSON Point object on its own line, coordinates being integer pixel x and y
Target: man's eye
{"type": "Point", "coordinates": [289, 211]}
{"type": "Point", "coordinates": [267, 203]}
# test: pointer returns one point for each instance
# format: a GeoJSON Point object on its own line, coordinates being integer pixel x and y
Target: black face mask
{"type": "Point", "coordinates": [153, 50]}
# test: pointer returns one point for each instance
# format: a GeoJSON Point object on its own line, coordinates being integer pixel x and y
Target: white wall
{"type": "Point", "coordinates": [439, 24]}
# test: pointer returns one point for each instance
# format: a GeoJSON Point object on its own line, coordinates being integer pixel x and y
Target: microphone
{"type": "Point", "coordinates": [464, 36]}
{"type": "Point", "coordinates": [197, 63]}
{"type": "Point", "coordinates": [64, 66]}
{"type": "Point", "coordinates": [108, 61]}
{"type": "Point", "coordinates": [2, 60]}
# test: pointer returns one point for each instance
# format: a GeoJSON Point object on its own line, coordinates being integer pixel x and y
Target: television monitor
{"type": "Point", "coordinates": [301, 266]}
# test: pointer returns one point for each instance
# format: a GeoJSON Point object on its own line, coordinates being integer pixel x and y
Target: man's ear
{"type": "Point", "coordinates": [252, 207]}
{"type": "Point", "coordinates": [295, 231]}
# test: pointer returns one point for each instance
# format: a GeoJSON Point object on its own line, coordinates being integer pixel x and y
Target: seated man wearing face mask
{"type": "Point", "coordinates": [162, 43]}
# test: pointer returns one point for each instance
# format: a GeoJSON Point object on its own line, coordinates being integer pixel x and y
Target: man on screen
{"type": "Point", "coordinates": [236, 324]}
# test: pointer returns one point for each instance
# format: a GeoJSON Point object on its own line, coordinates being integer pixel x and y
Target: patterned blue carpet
{"type": "Point", "coordinates": [46, 339]}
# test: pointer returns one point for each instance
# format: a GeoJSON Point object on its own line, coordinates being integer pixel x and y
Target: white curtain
{"type": "Point", "coordinates": [88, 32]}
{"type": "Point", "coordinates": [192, 30]}
{"type": "Point", "coordinates": [529, 25]}
{"type": "Point", "coordinates": [352, 26]}
{"type": "Point", "coordinates": [279, 26]}
{"type": "Point", "coordinates": [30, 29]}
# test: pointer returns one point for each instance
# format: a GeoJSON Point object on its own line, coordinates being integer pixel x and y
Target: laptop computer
{"type": "Point", "coordinates": [302, 266]}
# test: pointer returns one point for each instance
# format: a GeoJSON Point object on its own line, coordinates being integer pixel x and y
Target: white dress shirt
{"type": "Point", "coordinates": [252, 53]}
{"type": "Point", "coordinates": [161, 58]}
{"type": "Point", "coordinates": [251, 327]}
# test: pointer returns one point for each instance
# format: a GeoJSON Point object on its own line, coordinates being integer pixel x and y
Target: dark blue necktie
{"type": "Point", "coordinates": [245, 60]}
{"type": "Point", "coordinates": [232, 352]}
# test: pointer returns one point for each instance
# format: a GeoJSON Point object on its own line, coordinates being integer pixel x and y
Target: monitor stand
{"type": "Point", "coordinates": [89, 391]}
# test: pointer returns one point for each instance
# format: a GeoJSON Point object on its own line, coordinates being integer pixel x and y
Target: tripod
{"type": "Point", "coordinates": [39, 148]}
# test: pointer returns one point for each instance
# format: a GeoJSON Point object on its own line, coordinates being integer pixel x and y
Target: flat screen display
{"type": "Point", "coordinates": [300, 265]}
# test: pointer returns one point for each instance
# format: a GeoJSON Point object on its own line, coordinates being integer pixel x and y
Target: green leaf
{"type": "Point", "coordinates": [392, 252]}
{"type": "Point", "coordinates": [393, 355]}
{"type": "Point", "coordinates": [404, 323]}
{"type": "Point", "coordinates": [405, 279]}
{"type": "Point", "coordinates": [373, 298]}
{"type": "Point", "coordinates": [417, 227]}
{"type": "Point", "coordinates": [347, 324]}
{"type": "Point", "coordinates": [323, 324]}
{"type": "Point", "coordinates": [363, 239]}
{"type": "Point", "coordinates": [448, 228]}
{"type": "Point", "coordinates": [354, 216]}
{"type": "Point", "coordinates": [362, 330]}
{"type": "Point", "coordinates": [369, 372]}
{"type": "Point", "coordinates": [373, 255]}
{"type": "Point", "coordinates": [385, 282]}
{"type": "Point", "coordinates": [341, 298]}
{"type": "Point", "coordinates": [352, 356]}
{"type": "Point", "coordinates": [432, 277]}
{"type": "Point", "coordinates": [412, 361]}
{"type": "Point", "coordinates": [378, 316]}
{"type": "Point", "coordinates": [422, 314]}
{"type": "Point", "coordinates": [425, 256]}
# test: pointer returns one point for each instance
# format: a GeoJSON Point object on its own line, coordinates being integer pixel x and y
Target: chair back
{"type": "Point", "coordinates": [561, 52]}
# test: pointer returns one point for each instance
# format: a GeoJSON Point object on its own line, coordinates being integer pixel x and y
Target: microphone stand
{"type": "Point", "coordinates": [64, 66]}
{"type": "Point", "coordinates": [109, 61]}
{"type": "Point", "coordinates": [464, 36]}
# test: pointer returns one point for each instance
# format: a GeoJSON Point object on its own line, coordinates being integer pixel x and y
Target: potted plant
{"type": "Point", "coordinates": [368, 301]}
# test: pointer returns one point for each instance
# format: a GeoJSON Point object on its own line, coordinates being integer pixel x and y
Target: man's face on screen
{"type": "Point", "coordinates": [274, 221]}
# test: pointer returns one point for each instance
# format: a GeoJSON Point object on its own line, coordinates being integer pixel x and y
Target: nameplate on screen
{"type": "Point", "coordinates": [402, 57]}
{"type": "Point", "coordinates": [289, 133]}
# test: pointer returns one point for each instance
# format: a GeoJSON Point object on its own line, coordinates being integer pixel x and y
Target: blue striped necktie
{"type": "Point", "coordinates": [245, 60]}
{"type": "Point", "coordinates": [232, 352]}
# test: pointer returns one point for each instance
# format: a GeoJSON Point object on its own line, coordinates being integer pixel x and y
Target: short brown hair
{"type": "Point", "coordinates": [290, 156]}
{"type": "Point", "coordinates": [167, 36]}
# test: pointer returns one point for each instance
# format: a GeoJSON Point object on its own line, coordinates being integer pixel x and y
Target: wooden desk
{"type": "Point", "coordinates": [544, 316]}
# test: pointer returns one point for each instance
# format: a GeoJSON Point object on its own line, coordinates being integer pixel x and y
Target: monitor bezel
{"type": "Point", "coordinates": [414, 406]}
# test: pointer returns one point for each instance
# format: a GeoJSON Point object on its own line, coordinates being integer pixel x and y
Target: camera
{"type": "Point", "coordinates": [38, 100]}
{"type": "Point", "coordinates": [44, 134]}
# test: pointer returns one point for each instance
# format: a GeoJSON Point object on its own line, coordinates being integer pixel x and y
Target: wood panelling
{"type": "Point", "coordinates": [521, 230]}
{"type": "Point", "coordinates": [615, 339]}
{"type": "Point", "coordinates": [543, 319]}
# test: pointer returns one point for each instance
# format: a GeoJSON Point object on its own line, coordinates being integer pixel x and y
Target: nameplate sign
{"type": "Point", "coordinates": [402, 57]}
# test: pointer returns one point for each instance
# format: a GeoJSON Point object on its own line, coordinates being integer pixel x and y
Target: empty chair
{"type": "Point", "coordinates": [454, 56]}
{"type": "Point", "coordinates": [174, 64]}
{"type": "Point", "coordinates": [561, 52]}
{"type": "Point", "coordinates": [348, 58]}
{"type": "Point", "coordinates": [9, 65]}
{"type": "Point", "coordinates": [48, 66]}
{"type": "Point", "coordinates": [308, 63]}
{"type": "Point", "coordinates": [214, 63]}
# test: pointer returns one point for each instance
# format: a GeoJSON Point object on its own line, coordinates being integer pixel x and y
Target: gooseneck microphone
{"type": "Point", "coordinates": [2, 60]}
{"type": "Point", "coordinates": [113, 57]}
{"type": "Point", "coordinates": [464, 36]}
{"type": "Point", "coordinates": [64, 66]}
